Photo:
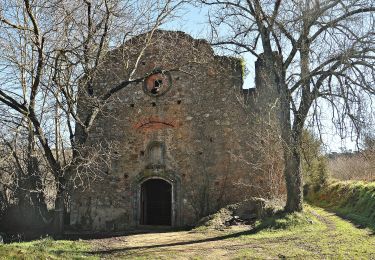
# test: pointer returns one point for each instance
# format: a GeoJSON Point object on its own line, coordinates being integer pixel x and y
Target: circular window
{"type": "Point", "coordinates": [158, 84]}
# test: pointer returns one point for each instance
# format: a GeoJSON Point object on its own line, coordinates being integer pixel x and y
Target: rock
{"type": "Point", "coordinates": [242, 213]}
{"type": "Point", "coordinates": [249, 209]}
{"type": "Point", "coordinates": [216, 220]}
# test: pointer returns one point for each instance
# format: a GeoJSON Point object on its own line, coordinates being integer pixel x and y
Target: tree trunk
{"type": "Point", "coordinates": [293, 178]}
{"type": "Point", "coordinates": [292, 156]}
{"type": "Point", "coordinates": [58, 216]}
{"type": "Point", "coordinates": [290, 137]}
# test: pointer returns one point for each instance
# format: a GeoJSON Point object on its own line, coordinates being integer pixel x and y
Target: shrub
{"type": "Point", "coordinates": [354, 199]}
{"type": "Point", "coordinates": [314, 163]}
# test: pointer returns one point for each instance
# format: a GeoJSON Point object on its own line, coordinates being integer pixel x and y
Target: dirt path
{"type": "Point", "coordinates": [325, 219]}
{"type": "Point", "coordinates": [210, 245]}
{"type": "Point", "coordinates": [323, 239]}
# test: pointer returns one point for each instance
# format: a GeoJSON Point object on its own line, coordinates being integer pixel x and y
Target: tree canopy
{"type": "Point", "coordinates": [326, 50]}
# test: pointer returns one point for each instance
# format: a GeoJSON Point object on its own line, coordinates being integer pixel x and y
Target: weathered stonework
{"type": "Point", "coordinates": [190, 127]}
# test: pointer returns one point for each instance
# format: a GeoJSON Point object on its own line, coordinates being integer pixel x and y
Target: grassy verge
{"type": "Point", "coordinates": [46, 248]}
{"type": "Point", "coordinates": [354, 200]}
{"type": "Point", "coordinates": [313, 234]}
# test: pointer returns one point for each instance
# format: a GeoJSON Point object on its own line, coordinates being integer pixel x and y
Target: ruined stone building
{"type": "Point", "coordinates": [183, 136]}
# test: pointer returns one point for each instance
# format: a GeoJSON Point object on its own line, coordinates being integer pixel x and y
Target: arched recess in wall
{"type": "Point", "coordinates": [156, 202]}
{"type": "Point", "coordinates": [167, 176]}
{"type": "Point", "coordinates": [155, 154]}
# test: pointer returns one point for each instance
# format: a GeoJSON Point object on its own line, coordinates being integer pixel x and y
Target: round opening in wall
{"type": "Point", "coordinates": [157, 84]}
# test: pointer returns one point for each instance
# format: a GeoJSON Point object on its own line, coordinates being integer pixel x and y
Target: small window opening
{"type": "Point", "coordinates": [153, 104]}
{"type": "Point", "coordinates": [157, 85]}
{"type": "Point", "coordinates": [178, 101]}
{"type": "Point", "coordinates": [211, 140]}
{"type": "Point", "coordinates": [142, 153]}
{"type": "Point", "coordinates": [131, 105]}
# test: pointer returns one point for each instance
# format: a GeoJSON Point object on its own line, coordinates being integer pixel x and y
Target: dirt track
{"type": "Point", "coordinates": [327, 237]}
{"type": "Point", "coordinates": [212, 245]}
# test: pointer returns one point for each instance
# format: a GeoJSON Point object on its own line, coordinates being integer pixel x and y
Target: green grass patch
{"type": "Point", "coordinates": [352, 199]}
{"type": "Point", "coordinates": [286, 221]}
{"type": "Point", "coordinates": [287, 225]}
{"type": "Point", "coordinates": [312, 234]}
{"type": "Point", "coordinates": [46, 248]}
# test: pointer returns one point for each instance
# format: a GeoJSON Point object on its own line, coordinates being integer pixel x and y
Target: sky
{"type": "Point", "coordinates": [193, 20]}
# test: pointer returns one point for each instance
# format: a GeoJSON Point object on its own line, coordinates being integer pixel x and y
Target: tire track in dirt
{"type": "Point", "coordinates": [331, 226]}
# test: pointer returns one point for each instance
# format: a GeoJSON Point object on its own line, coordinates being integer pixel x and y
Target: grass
{"type": "Point", "coordinates": [312, 234]}
{"type": "Point", "coordinates": [46, 248]}
{"type": "Point", "coordinates": [353, 199]}
{"type": "Point", "coordinates": [285, 221]}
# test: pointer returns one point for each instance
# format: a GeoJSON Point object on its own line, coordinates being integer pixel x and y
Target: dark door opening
{"type": "Point", "coordinates": [156, 202]}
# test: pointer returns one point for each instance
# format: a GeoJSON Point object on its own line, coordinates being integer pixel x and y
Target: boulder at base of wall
{"type": "Point", "coordinates": [242, 213]}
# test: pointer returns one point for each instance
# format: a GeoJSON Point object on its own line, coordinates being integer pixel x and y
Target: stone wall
{"type": "Point", "coordinates": [196, 135]}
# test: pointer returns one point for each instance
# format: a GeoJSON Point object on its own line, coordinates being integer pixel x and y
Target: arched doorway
{"type": "Point", "coordinates": [156, 202]}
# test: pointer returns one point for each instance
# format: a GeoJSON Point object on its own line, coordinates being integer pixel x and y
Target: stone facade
{"type": "Point", "coordinates": [187, 125]}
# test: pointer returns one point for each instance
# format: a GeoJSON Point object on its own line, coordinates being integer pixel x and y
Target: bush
{"type": "Point", "coordinates": [354, 199]}
{"type": "Point", "coordinates": [314, 163]}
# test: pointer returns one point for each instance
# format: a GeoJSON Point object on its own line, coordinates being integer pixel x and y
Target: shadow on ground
{"type": "Point", "coordinates": [73, 235]}
{"type": "Point", "coordinates": [192, 242]}
{"type": "Point", "coordinates": [268, 223]}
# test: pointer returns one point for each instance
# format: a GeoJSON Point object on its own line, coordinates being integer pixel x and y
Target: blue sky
{"type": "Point", "coordinates": [193, 20]}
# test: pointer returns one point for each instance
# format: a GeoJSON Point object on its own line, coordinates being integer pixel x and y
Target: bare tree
{"type": "Point", "coordinates": [51, 51]}
{"type": "Point", "coordinates": [23, 179]}
{"type": "Point", "coordinates": [315, 51]}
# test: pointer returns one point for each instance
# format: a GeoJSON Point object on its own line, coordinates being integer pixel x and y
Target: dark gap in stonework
{"type": "Point", "coordinates": [90, 90]}
{"type": "Point", "coordinates": [156, 202]}
{"type": "Point", "coordinates": [157, 85]}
